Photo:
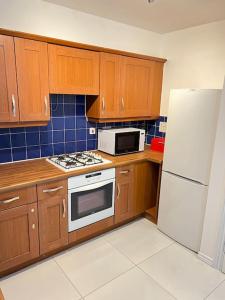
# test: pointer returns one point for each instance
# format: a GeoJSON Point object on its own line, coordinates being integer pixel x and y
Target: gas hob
{"type": "Point", "coordinates": [77, 160]}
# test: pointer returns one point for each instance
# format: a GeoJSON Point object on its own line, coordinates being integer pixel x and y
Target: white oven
{"type": "Point", "coordinates": [90, 198]}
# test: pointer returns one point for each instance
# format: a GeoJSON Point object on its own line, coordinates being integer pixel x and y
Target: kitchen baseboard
{"type": "Point", "coordinates": [205, 258]}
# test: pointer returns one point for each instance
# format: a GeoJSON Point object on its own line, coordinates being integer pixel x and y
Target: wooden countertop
{"type": "Point", "coordinates": [22, 174]}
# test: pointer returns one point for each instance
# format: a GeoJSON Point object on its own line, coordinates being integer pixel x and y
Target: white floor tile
{"type": "Point", "coordinates": [138, 240]}
{"type": "Point", "coordinates": [93, 264]}
{"type": "Point", "coordinates": [44, 281]}
{"type": "Point", "coordinates": [132, 285]}
{"type": "Point", "coordinates": [182, 274]}
{"type": "Point", "coordinates": [218, 294]}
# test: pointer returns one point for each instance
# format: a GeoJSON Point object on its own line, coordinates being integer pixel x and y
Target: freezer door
{"type": "Point", "coordinates": [190, 135]}
{"type": "Point", "coordinates": [182, 209]}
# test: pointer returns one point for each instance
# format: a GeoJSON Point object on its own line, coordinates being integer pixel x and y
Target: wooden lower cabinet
{"type": "Point", "coordinates": [124, 206]}
{"type": "Point", "coordinates": [18, 236]}
{"type": "Point", "coordinates": [52, 209]}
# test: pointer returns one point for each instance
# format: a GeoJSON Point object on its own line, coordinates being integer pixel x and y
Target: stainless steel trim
{"type": "Point", "coordinates": [103, 103]}
{"type": "Point", "coordinates": [10, 200]}
{"type": "Point", "coordinates": [46, 106]}
{"type": "Point", "coordinates": [122, 103]}
{"type": "Point", "coordinates": [13, 106]}
{"type": "Point", "coordinates": [124, 172]}
{"type": "Point", "coordinates": [64, 208]}
{"type": "Point", "coordinates": [118, 191]}
{"type": "Point", "coordinates": [53, 190]}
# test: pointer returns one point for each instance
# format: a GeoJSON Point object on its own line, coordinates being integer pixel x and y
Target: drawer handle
{"type": "Point", "coordinates": [46, 106]}
{"type": "Point", "coordinates": [53, 190]}
{"type": "Point", "coordinates": [64, 208]}
{"type": "Point", "coordinates": [118, 191]}
{"type": "Point", "coordinates": [13, 106]}
{"type": "Point", "coordinates": [10, 200]}
{"type": "Point", "coordinates": [124, 172]}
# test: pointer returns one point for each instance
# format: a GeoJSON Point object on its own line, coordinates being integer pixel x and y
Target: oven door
{"type": "Point", "coordinates": [90, 203]}
{"type": "Point", "coordinates": [127, 142]}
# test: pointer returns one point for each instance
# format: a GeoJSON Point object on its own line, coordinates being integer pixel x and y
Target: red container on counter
{"type": "Point", "coordinates": [157, 144]}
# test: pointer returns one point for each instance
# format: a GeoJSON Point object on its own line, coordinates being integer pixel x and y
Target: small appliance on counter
{"type": "Point", "coordinates": [119, 141]}
{"type": "Point", "coordinates": [157, 144]}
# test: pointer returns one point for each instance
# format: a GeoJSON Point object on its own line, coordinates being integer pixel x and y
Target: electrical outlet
{"type": "Point", "coordinates": [92, 130]}
{"type": "Point", "coordinates": [162, 127]}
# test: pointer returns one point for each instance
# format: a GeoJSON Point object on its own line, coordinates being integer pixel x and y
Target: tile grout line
{"type": "Point", "coordinates": [214, 289]}
{"type": "Point", "coordinates": [162, 287]}
{"type": "Point", "coordinates": [110, 281]}
{"type": "Point", "coordinates": [67, 277]}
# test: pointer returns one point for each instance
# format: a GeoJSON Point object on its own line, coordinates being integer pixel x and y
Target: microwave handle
{"type": "Point", "coordinates": [90, 187]}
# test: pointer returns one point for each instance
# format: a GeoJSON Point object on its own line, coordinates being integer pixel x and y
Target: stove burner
{"type": "Point", "coordinates": [77, 160]}
{"type": "Point", "coordinates": [61, 157]}
{"type": "Point", "coordinates": [71, 163]}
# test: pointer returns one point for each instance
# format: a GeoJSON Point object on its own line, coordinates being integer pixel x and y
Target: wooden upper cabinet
{"type": "Point", "coordinates": [136, 85]}
{"type": "Point", "coordinates": [109, 85]}
{"type": "Point", "coordinates": [32, 78]}
{"type": "Point", "coordinates": [73, 71]}
{"type": "Point", "coordinates": [18, 236]}
{"type": "Point", "coordinates": [8, 86]}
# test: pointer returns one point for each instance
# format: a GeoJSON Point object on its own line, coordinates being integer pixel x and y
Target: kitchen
{"type": "Point", "coordinates": [75, 116]}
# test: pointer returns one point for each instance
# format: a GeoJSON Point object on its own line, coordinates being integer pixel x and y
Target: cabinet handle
{"type": "Point", "coordinates": [103, 104]}
{"type": "Point", "coordinates": [33, 226]}
{"type": "Point", "coordinates": [13, 106]}
{"type": "Point", "coordinates": [46, 106]}
{"type": "Point", "coordinates": [118, 191]}
{"type": "Point", "coordinates": [124, 172]}
{"type": "Point", "coordinates": [10, 200]}
{"type": "Point", "coordinates": [53, 190]}
{"type": "Point", "coordinates": [122, 103]}
{"type": "Point", "coordinates": [64, 208]}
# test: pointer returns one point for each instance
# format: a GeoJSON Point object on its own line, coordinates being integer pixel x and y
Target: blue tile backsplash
{"type": "Point", "coordinates": [67, 131]}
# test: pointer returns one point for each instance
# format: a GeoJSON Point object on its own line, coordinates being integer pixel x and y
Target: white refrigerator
{"type": "Point", "coordinates": [190, 136]}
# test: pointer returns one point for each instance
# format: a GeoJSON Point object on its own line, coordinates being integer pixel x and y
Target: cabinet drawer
{"type": "Point", "coordinates": [17, 198]}
{"type": "Point", "coordinates": [90, 230]}
{"type": "Point", "coordinates": [52, 189]}
{"type": "Point", "coordinates": [125, 171]}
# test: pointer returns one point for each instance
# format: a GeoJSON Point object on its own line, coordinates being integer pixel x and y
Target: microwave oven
{"type": "Point", "coordinates": [119, 141]}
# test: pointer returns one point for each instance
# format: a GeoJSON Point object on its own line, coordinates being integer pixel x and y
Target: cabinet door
{"type": "Point", "coordinates": [53, 225]}
{"type": "Point", "coordinates": [145, 186]}
{"type": "Point", "coordinates": [32, 77]}
{"type": "Point", "coordinates": [124, 194]}
{"type": "Point", "coordinates": [109, 85]}
{"type": "Point", "coordinates": [8, 85]}
{"type": "Point", "coordinates": [18, 236]}
{"type": "Point", "coordinates": [73, 71]}
{"type": "Point", "coordinates": [136, 85]}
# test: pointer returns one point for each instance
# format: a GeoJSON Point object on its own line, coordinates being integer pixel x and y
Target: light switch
{"type": "Point", "coordinates": [92, 130]}
{"type": "Point", "coordinates": [162, 127]}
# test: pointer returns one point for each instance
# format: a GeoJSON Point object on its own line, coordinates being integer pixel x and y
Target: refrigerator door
{"type": "Point", "coordinates": [190, 135]}
{"type": "Point", "coordinates": [182, 209]}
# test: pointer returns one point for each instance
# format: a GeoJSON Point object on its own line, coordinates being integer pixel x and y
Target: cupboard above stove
{"type": "Point", "coordinates": [115, 81]}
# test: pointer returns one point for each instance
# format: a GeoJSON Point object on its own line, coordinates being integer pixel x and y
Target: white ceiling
{"type": "Point", "coordinates": [161, 16]}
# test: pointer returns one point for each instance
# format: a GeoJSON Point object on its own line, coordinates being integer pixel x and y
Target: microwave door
{"type": "Point", "coordinates": [127, 142]}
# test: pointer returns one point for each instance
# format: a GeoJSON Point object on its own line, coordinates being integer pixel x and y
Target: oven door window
{"type": "Point", "coordinates": [127, 142]}
{"type": "Point", "coordinates": [85, 203]}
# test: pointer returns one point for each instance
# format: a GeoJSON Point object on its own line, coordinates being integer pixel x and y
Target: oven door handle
{"type": "Point", "coordinates": [92, 186]}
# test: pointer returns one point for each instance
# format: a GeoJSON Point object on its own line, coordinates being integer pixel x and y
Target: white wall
{"type": "Point", "coordinates": [196, 59]}
{"type": "Point", "coordinates": [39, 17]}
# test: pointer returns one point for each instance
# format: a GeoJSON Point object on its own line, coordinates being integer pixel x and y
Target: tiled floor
{"type": "Point", "coordinates": [135, 262]}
